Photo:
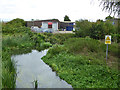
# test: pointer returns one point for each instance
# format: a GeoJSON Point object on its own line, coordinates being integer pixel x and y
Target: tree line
{"type": "Point", "coordinates": [98, 29]}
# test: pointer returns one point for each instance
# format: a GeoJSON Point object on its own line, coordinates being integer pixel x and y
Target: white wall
{"type": "Point", "coordinates": [44, 25]}
{"type": "Point", "coordinates": [54, 25]}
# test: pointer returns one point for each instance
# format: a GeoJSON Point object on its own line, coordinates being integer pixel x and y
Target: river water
{"type": "Point", "coordinates": [31, 67]}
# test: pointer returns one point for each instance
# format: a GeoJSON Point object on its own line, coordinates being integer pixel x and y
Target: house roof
{"type": "Point", "coordinates": [51, 20]}
{"type": "Point", "coordinates": [67, 22]}
{"type": "Point", "coordinates": [47, 20]}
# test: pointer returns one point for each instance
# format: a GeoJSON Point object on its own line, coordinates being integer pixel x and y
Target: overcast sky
{"type": "Point", "coordinates": [49, 9]}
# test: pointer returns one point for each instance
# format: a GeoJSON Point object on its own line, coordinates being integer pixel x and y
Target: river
{"type": "Point", "coordinates": [30, 67]}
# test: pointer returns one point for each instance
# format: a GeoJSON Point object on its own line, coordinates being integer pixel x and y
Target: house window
{"type": "Point", "coordinates": [49, 24]}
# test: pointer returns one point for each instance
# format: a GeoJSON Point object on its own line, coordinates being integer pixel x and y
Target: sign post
{"type": "Point", "coordinates": [106, 53]}
{"type": "Point", "coordinates": [107, 41]}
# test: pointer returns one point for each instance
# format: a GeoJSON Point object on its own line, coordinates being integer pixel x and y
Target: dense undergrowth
{"type": "Point", "coordinates": [81, 62]}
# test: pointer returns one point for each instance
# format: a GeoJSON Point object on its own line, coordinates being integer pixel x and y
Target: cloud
{"type": "Point", "coordinates": [47, 9]}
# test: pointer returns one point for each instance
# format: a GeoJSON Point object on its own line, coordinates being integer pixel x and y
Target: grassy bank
{"type": "Point", "coordinates": [81, 62]}
{"type": "Point", "coordinates": [19, 43]}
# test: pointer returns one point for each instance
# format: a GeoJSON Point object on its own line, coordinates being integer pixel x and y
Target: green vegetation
{"type": "Point", "coordinates": [77, 58]}
{"type": "Point", "coordinates": [15, 26]}
{"type": "Point", "coordinates": [109, 17]}
{"type": "Point", "coordinates": [35, 84]}
{"type": "Point", "coordinates": [0, 55]}
{"type": "Point", "coordinates": [19, 21]}
{"type": "Point", "coordinates": [66, 18]}
{"type": "Point", "coordinates": [17, 41]}
{"type": "Point", "coordinates": [17, 44]}
{"type": "Point", "coordinates": [57, 38]}
{"type": "Point", "coordinates": [97, 30]}
{"type": "Point", "coordinates": [83, 28]}
{"type": "Point", "coordinates": [81, 62]}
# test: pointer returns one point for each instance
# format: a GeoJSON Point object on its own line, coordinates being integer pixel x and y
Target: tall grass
{"type": "Point", "coordinates": [12, 45]}
{"type": "Point", "coordinates": [92, 47]}
{"type": "Point", "coordinates": [8, 71]}
{"type": "Point", "coordinates": [77, 45]}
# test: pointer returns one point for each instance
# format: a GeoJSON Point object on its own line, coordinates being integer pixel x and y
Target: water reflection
{"type": "Point", "coordinates": [30, 67]}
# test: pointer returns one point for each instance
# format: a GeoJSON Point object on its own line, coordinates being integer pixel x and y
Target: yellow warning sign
{"type": "Point", "coordinates": [107, 39]}
{"type": "Point", "coordinates": [107, 42]}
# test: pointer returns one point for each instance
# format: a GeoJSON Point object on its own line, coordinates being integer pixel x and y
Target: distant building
{"type": "Point", "coordinates": [51, 24]}
{"type": "Point", "coordinates": [44, 24]}
{"type": "Point", "coordinates": [67, 25]}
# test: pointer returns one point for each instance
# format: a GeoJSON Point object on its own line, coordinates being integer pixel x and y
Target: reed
{"type": "Point", "coordinates": [35, 84]}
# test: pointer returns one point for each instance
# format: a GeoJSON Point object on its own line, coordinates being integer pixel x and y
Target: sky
{"type": "Point", "coordinates": [49, 9]}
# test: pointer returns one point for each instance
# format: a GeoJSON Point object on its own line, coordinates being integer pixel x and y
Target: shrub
{"type": "Point", "coordinates": [96, 30]}
{"type": "Point", "coordinates": [82, 28]}
{"type": "Point", "coordinates": [82, 44]}
{"type": "Point", "coordinates": [17, 21]}
{"type": "Point", "coordinates": [14, 28]}
{"type": "Point", "coordinates": [56, 49]}
{"type": "Point", "coordinates": [45, 45]}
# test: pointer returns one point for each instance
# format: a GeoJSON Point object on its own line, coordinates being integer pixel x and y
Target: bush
{"type": "Point", "coordinates": [114, 49]}
{"type": "Point", "coordinates": [45, 45]}
{"type": "Point", "coordinates": [56, 49]}
{"type": "Point", "coordinates": [57, 38]}
{"type": "Point", "coordinates": [96, 30]}
{"type": "Point", "coordinates": [79, 45]}
{"type": "Point", "coordinates": [82, 28]}
{"type": "Point", "coordinates": [19, 21]}
{"type": "Point", "coordinates": [15, 26]}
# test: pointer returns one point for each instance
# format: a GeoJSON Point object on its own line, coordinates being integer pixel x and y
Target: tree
{"type": "Point", "coordinates": [99, 29]}
{"type": "Point", "coordinates": [15, 26]}
{"type": "Point", "coordinates": [17, 21]}
{"type": "Point", "coordinates": [83, 28]}
{"type": "Point", "coordinates": [99, 20]}
{"type": "Point", "coordinates": [109, 17]}
{"type": "Point", "coordinates": [66, 18]}
{"type": "Point", "coordinates": [112, 6]}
